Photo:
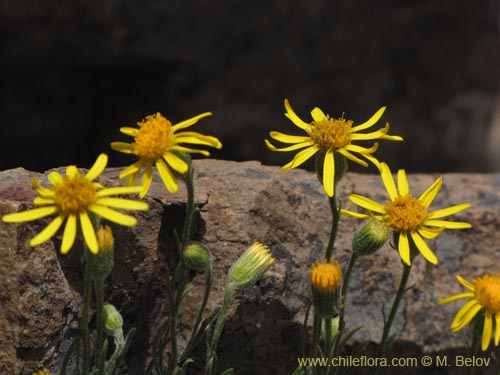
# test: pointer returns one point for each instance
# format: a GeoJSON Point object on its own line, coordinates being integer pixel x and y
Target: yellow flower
{"type": "Point", "coordinates": [155, 142]}
{"type": "Point", "coordinates": [41, 372]}
{"type": "Point", "coordinates": [408, 216]}
{"type": "Point", "coordinates": [72, 198]}
{"type": "Point", "coordinates": [325, 279]}
{"type": "Point", "coordinates": [331, 135]}
{"type": "Point", "coordinates": [484, 294]}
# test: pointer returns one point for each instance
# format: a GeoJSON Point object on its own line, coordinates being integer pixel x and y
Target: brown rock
{"type": "Point", "coordinates": [237, 204]}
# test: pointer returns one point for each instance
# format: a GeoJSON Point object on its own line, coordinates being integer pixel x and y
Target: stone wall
{"type": "Point", "coordinates": [237, 204]}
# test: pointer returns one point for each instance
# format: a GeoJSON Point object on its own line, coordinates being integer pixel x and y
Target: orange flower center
{"type": "Point", "coordinates": [74, 194]}
{"type": "Point", "coordinates": [326, 276]}
{"type": "Point", "coordinates": [487, 292]}
{"type": "Point", "coordinates": [330, 133]}
{"type": "Point", "coordinates": [154, 138]}
{"type": "Point", "coordinates": [405, 214]}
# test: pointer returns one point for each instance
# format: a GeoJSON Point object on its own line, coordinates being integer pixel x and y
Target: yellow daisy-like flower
{"type": "Point", "coordinates": [483, 295]}
{"type": "Point", "coordinates": [155, 142]}
{"type": "Point", "coordinates": [408, 216]}
{"type": "Point", "coordinates": [72, 198]}
{"type": "Point", "coordinates": [331, 135]}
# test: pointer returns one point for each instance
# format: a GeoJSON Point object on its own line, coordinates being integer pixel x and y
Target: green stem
{"type": "Point", "coordinates": [335, 225]}
{"type": "Point", "coordinates": [395, 305]}
{"type": "Point", "coordinates": [87, 290]}
{"type": "Point", "coordinates": [221, 320]}
{"type": "Point", "coordinates": [316, 336]}
{"type": "Point", "coordinates": [477, 333]}
{"type": "Point", "coordinates": [328, 340]}
{"type": "Point", "coordinates": [99, 292]}
{"type": "Point", "coordinates": [188, 220]}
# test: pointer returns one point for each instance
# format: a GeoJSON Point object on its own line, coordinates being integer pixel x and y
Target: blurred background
{"type": "Point", "coordinates": [73, 72]}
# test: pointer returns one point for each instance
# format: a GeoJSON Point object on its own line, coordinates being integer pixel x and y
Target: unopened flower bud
{"type": "Point", "coordinates": [250, 266]}
{"type": "Point", "coordinates": [369, 238]}
{"type": "Point", "coordinates": [197, 256]}
{"type": "Point", "coordinates": [325, 280]}
{"type": "Point", "coordinates": [103, 262]}
{"type": "Point", "coordinates": [113, 320]}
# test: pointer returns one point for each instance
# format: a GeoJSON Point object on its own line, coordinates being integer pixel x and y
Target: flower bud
{"type": "Point", "coordinates": [325, 280]}
{"type": "Point", "coordinates": [113, 320]}
{"type": "Point", "coordinates": [103, 262]}
{"type": "Point", "coordinates": [197, 256]}
{"type": "Point", "coordinates": [369, 238]}
{"type": "Point", "coordinates": [250, 266]}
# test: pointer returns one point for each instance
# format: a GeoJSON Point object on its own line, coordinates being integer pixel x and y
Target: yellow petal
{"type": "Point", "coordinates": [88, 232]}
{"type": "Point", "coordinates": [448, 224]}
{"type": "Point", "coordinates": [134, 168]}
{"type": "Point", "coordinates": [48, 231]}
{"type": "Point", "coordinates": [301, 157]}
{"type": "Point", "coordinates": [497, 329]}
{"type": "Point", "coordinates": [465, 283]}
{"type": "Point", "coordinates": [55, 178]}
{"type": "Point", "coordinates": [126, 148]}
{"type": "Point", "coordinates": [189, 150]}
{"type": "Point", "coordinates": [69, 234]}
{"type": "Point", "coordinates": [317, 114]}
{"type": "Point", "coordinates": [198, 139]}
{"type": "Point", "coordinates": [424, 249]}
{"type": "Point", "coordinates": [354, 214]}
{"type": "Point", "coordinates": [367, 136]}
{"type": "Point", "coordinates": [176, 162]}
{"type": "Point", "coordinates": [362, 150]}
{"type": "Point", "coordinates": [71, 171]}
{"type": "Point", "coordinates": [146, 180]}
{"type": "Point", "coordinates": [367, 203]}
{"type": "Point", "coordinates": [403, 183]}
{"type": "Point", "coordinates": [133, 132]}
{"type": "Point", "coordinates": [329, 173]}
{"type": "Point", "coordinates": [30, 215]}
{"type": "Point", "coordinates": [293, 117]}
{"type": "Point", "coordinates": [371, 121]}
{"type": "Point", "coordinates": [348, 155]}
{"type": "Point", "coordinates": [456, 297]}
{"type": "Point", "coordinates": [428, 196]}
{"type": "Point", "coordinates": [126, 204]}
{"type": "Point", "coordinates": [404, 248]}
{"type": "Point", "coordinates": [388, 181]}
{"type": "Point", "coordinates": [297, 146]}
{"type": "Point", "coordinates": [41, 201]}
{"type": "Point", "coordinates": [448, 211]}
{"type": "Point", "coordinates": [167, 176]}
{"type": "Point", "coordinates": [487, 328]}
{"type": "Point", "coordinates": [285, 138]}
{"type": "Point", "coordinates": [106, 192]}
{"type": "Point", "coordinates": [430, 233]}
{"type": "Point", "coordinates": [112, 215]}
{"type": "Point", "coordinates": [466, 315]}
{"type": "Point", "coordinates": [191, 121]}
{"type": "Point", "coordinates": [98, 167]}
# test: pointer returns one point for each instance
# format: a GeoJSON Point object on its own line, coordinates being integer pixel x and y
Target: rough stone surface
{"type": "Point", "coordinates": [237, 204]}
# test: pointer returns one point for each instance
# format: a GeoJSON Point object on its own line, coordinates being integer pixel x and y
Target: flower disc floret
{"type": "Point", "coordinates": [405, 214]}
{"type": "Point", "coordinates": [155, 136]}
{"type": "Point", "coordinates": [74, 194]}
{"type": "Point", "coordinates": [331, 133]}
{"type": "Point", "coordinates": [483, 295]}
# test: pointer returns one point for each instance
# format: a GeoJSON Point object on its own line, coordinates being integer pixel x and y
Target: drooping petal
{"type": "Point", "coordinates": [497, 329]}
{"type": "Point", "coordinates": [293, 117]}
{"type": "Point", "coordinates": [187, 123]}
{"type": "Point", "coordinates": [448, 211]}
{"type": "Point", "coordinates": [354, 214]}
{"type": "Point", "coordinates": [362, 150]}
{"type": "Point", "coordinates": [403, 183]}
{"type": "Point", "coordinates": [373, 120]}
{"type": "Point", "coordinates": [167, 176]}
{"type": "Point", "coordinates": [126, 148]}
{"type": "Point", "coordinates": [98, 167]}
{"type": "Point", "coordinates": [487, 328]}
{"type": "Point", "coordinates": [465, 315]}
{"type": "Point", "coordinates": [348, 155]}
{"type": "Point", "coordinates": [30, 215]}
{"type": "Point", "coordinates": [329, 173]}
{"type": "Point", "coordinates": [146, 180]}
{"type": "Point", "coordinates": [404, 248]}
{"type": "Point", "coordinates": [424, 249]}
{"type": "Point", "coordinates": [294, 147]}
{"type": "Point", "coordinates": [448, 224]}
{"type": "Point", "coordinates": [43, 192]}
{"type": "Point", "coordinates": [367, 203]}
{"type": "Point", "coordinates": [388, 181]}
{"type": "Point", "coordinates": [69, 234]}
{"type": "Point", "coordinates": [430, 233]}
{"type": "Point", "coordinates": [88, 231]}
{"type": "Point", "coordinates": [106, 192]}
{"type": "Point", "coordinates": [133, 168]}
{"type": "Point", "coordinates": [189, 150]}
{"type": "Point", "coordinates": [133, 132]}
{"type": "Point", "coordinates": [301, 157]}
{"type": "Point", "coordinates": [112, 215]}
{"type": "Point", "coordinates": [176, 162]}
{"type": "Point", "coordinates": [318, 115]}
{"type": "Point", "coordinates": [48, 231]}
{"type": "Point", "coordinates": [456, 297]}
{"type": "Point", "coordinates": [428, 196]}
{"type": "Point", "coordinates": [465, 283]}
{"type": "Point", "coordinates": [126, 204]}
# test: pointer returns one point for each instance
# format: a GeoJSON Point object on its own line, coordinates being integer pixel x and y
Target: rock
{"type": "Point", "coordinates": [237, 204]}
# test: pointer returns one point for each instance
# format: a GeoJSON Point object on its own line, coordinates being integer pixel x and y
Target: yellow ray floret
{"type": "Point", "coordinates": [156, 142]}
{"type": "Point", "coordinates": [331, 135]}
{"type": "Point", "coordinates": [73, 198]}
{"type": "Point", "coordinates": [407, 216]}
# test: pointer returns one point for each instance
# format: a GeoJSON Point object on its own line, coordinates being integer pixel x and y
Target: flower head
{"type": "Point", "coordinates": [325, 280]}
{"type": "Point", "coordinates": [250, 266]}
{"type": "Point", "coordinates": [483, 295]}
{"type": "Point", "coordinates": [73, 198]}
{"type": "Point", "coordinates": [41, 372]}
{"type": "Point", "coordinates": [407, 216]}
{"type": "Point", "coordinates": [333, 135]}
{"type": "Point", "coordinates": [156, 141]}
